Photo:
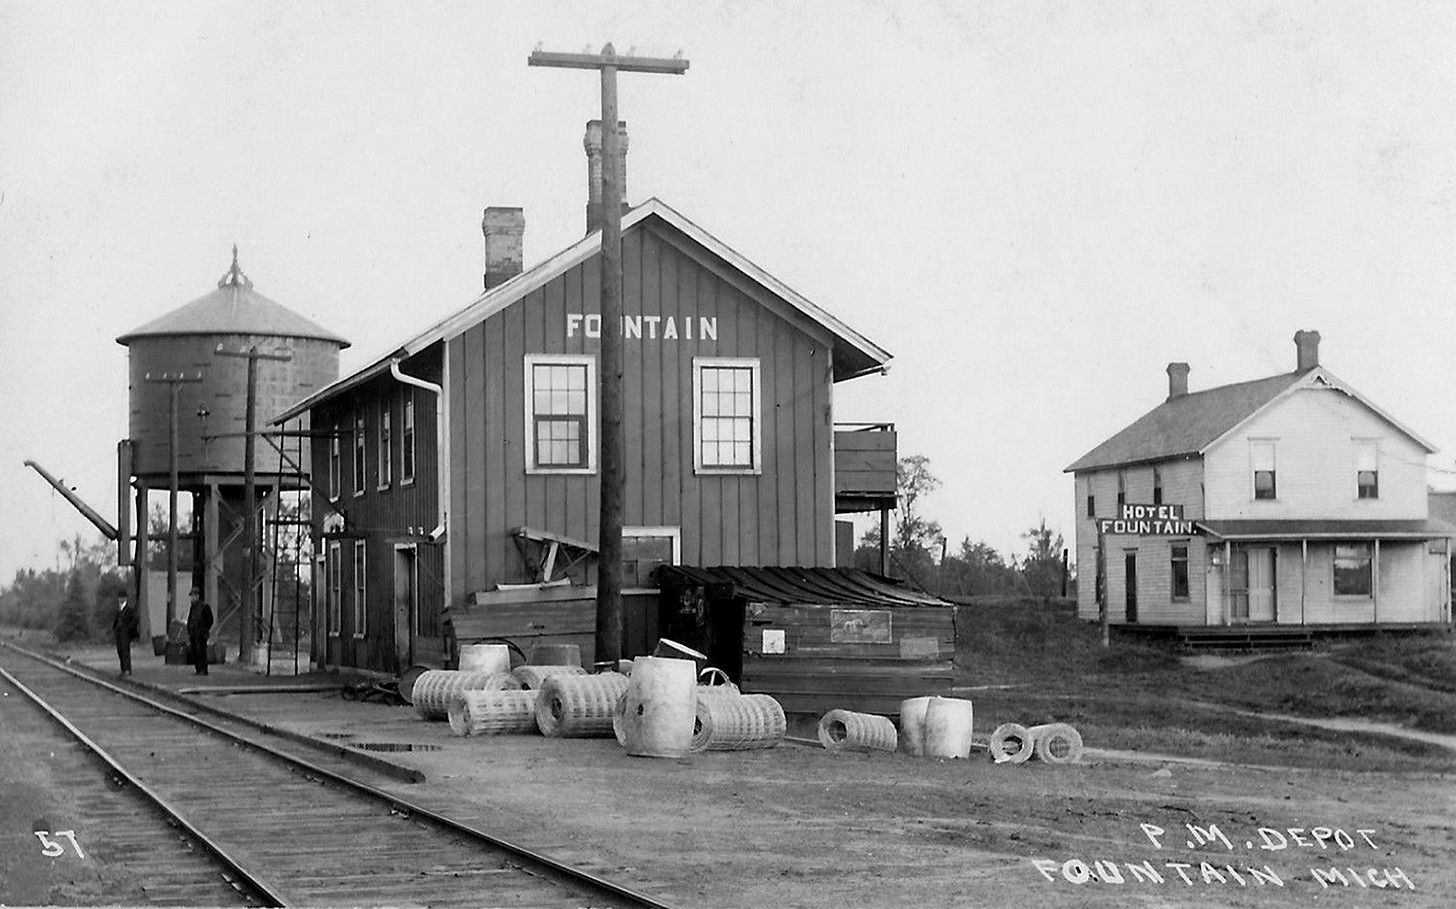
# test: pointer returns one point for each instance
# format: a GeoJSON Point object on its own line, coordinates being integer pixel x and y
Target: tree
{"type": "Point", "coordinates": [913, 536]}
{"type": "Point", "coordinates": [72, 623]}
{"type": "Point", "coordinates": [1042, 567]}
{"type": "Point", "coordinates": [976, 570]}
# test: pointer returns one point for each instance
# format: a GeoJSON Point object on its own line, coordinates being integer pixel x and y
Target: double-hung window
{"type": "Point", "coordinates": [386, 463]}
{"type": "Point", "coordinates": [1261, 455]}
{"type": "Point", "coordinates": [1179, 566]}
{"type": "Point", "coordinates": [336, 462]}
{"type": "Point", "coordinates": [561, 400]}
{"type": "Point", "coordinates": [1367, 469]}
{"type": "Point", "coordinates": [1157, 486]}
{"type": "Point", "coordinates": [335, 582]}
{"type": "Point", "coordinates": [407, 440]}
{"type": "Point", "coordinates": [727, 427]}
{"type": "Point", "coordinates": [1353, 574]}
{"type": "Point", "coordinates": [359, 452]}
{"type": "Point", "coordinates": [361, 611]}
{"type": "Point", "coordinates": [1121, 488]}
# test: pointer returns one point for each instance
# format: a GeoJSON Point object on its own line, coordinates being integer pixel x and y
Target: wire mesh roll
{"type": "Point", "coordinates": [579, 706]}
{"type": "Point", "coordinates": [532, 677]}
{"type": "Point", "coordinates": [737, 722]}
{"type": "Point", "coordinates": [1011, 743]}
{"type": "Point", "coordinates": [845, 730]}
{"type": "Point", "coordinates": [1056, 743]}
{"type": "Point", "coordinates": [434, 689]}
{"type": "Point", "coordinates": [493, 712]}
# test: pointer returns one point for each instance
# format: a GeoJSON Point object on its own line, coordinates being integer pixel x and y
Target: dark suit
{"type": "Point", "coordinates": [124, 630]}
{"type": "Point", "coordinates": [199, 625]}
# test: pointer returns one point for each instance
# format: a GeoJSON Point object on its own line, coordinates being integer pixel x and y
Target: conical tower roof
{"type": "Point", "coordinates": [233, 309]}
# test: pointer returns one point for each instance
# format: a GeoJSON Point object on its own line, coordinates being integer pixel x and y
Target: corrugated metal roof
{"type": "Point", "coordinates": [233, 309]}
{"type": "Point", "coordinates": [841, 586]}
{"type": "Point", "coordinates": [1329, 529]}
{"type": "Point", "coordinates": [1186, 424]}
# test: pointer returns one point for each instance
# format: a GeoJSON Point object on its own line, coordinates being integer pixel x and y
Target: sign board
{"type": "Point", "coordinates": [1149, 521]}
{"type": "Point", "coordinates": [773, 640]}
{"type": "Point", "coordinates": [859, 626]}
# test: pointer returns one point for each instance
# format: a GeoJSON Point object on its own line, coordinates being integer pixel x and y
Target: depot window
{"type": "Point", "coordinates": [386, 462]}
{"type": "Point", "coordinates": [335, 605]}
{"type": "Point", "coordinates": [407, 440]}
{"type": "Point", "coordinates": [361, 613]}
{"type": "Point", "coordinates": [727, 433]}
{"type": "Point", "coordinates": [561, 402]}
{"type": "Point", "coordinates": [336, 462]}
{"type": "Point", "coordinates": [359, 453]}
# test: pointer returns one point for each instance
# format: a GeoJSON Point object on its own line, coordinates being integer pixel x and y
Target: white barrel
{"type": "Point", "coordinates": [1011, 743]}
{"type": "Point", "coordinates": [579, 706]}
{"type": "Point", "coordinates": [554, 655]}
{"type": "Point", "coordinates": [485, 658]}
{"type": "Point", "coordinates": [912, 725]}
{"type": "Point", "coordinates": [532, 677]}
{"type": "Point", "coordinates": [845, 730]}
{"type": "Point", "coordinates": [658, 710]}
{"type": "Point", "coordinates": [1056, 743]}
{"type": "Point", "coordinates": [948, 728]}
{"type": "Point", "coordinates": [434, 689]}
{"type": "Point", "coordinates": [493, 712]}
{"type": "Point", "coordinates": [737, 722]}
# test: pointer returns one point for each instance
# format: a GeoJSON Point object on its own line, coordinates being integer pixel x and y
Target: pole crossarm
{"type": "Point", "coordinates": [674, 66]}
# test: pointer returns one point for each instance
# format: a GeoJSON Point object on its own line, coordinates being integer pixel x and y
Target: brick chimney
{"type": "Point", "coordinates": [1177, 380]}
{"type": "Point", "coordinates": [592, 142]}
{"type": "Point", "coordinates": [1307, 345]}
{"type": "Point", "coordinates": [505, 230]}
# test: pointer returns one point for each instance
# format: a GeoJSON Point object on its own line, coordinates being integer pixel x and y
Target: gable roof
{"type": "Point", "coordinates": [855, 355]}
{"type": "Point", "coordinates": [1190, 424]}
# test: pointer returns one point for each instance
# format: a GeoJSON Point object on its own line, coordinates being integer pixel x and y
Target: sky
{"type": "Point", "coordinates": [1034, 206]}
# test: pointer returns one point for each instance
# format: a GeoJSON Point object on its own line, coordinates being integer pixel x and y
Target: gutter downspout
{"type": "Point", "coordinates": [442, 454]}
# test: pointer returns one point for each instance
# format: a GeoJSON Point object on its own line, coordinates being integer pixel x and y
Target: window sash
{"type": "Point", "coordinates": [386, 465]}
{"type": "Point", "coordinates": [407, 447]}
{"type": "Point", "coordinates": [361, 611]}
{"type": "Point", "coordinates": [335, 582]}
{"type": "Point", "coordinates": [1179, 566]}
{"type": "Point", "coordinates": [726, 415]}
{"type": "Point", "coordinates": [1264, 485]}
{"type": "Point", "coordinates": [1353, 567]}
{"type": "Point", "coordinates": [560, 411]}
{"type": "Point", "coordinates": [336, 463]}
{"type": "Point", "coordinates": [358, 453]}
{"type": "Point", "coordinates": [1157, 486]}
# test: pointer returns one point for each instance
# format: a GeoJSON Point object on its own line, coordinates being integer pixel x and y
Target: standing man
{"type": "Point", "coordinates": [124, 630]}
{"type": "Point", "coordinates": [199, 625]}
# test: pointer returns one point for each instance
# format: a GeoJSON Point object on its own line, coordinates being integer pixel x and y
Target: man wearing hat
{"type": "Point", "coordinates": [199, 625]}
{"type": "Point", "coordinates": [124, 630]}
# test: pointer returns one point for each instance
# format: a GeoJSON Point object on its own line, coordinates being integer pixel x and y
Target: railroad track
{"type": "Point", "coordinates": [273, 824]}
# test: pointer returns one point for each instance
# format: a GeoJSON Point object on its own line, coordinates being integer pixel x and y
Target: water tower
{"type": "Point", "coordinates": [188, 403]}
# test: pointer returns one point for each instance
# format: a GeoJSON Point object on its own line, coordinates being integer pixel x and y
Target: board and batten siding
{"type": "Point", "coordinates": [781, 515]}
{"type": "Point", "coordinates": [1182, 485]}
{"type": "Point", "coordinates": [1314, 432]}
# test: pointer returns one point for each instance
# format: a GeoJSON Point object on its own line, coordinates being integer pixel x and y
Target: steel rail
{"type": "Point", "coordinates": [267, 890]}
{"type": "Point", "coordinates": [541, 859]}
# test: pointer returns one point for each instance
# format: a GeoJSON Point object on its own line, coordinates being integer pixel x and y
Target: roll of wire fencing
{"type": "Point", "coordinates": [493, 712]}
{"type": "Point", "coordinates": [433, 690]}
{"type": "Point", "coordinates": [1056, 743]}
{"type": "Point", "coordinates": [579, 706]}
{"type": "Point", "coordinates": [533, 677]}
{"type": "Point", "coordinates": [737, 722]}
{"type": "Point", "coordinates": [1011, 743]}
{"type": "Point", "coordinates": [845, 730]}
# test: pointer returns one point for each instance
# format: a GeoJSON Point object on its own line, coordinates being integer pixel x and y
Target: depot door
{"type": "Point", "coordinates": [406, 607]}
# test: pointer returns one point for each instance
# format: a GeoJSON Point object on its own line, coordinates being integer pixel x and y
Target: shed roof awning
{"type": "Point", "coordinates": [1329, 530]}
{"type": "Point", "coordinates": [841, 586]}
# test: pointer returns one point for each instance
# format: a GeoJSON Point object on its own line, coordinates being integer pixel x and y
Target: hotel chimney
{"type": "Point", "coordinates": [592, 142]}
{"type": "Point", "coordinates": [1307, 344]}
{"type": "Point", "coordinates": [504, 230]}
{"type": "Point", "coordinates": [1177, 380]}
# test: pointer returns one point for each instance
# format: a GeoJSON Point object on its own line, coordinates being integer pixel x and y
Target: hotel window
{"type": "Point", "coordinates": [1157, 486]}
{"type": "Point", "coordinates": [336, 462]}
{"type": "Point", "coordinates": [1121, 488]}
{"type": "Point", "coordinates": [407, 442]}
{"type": "Point", "coordinates": [361, 612]}
{"type": "Point", "coordinates": [726, 429]}
{"type": "Point", "coordinates": [359, 453]}
{"type": "Point", "coordinates": [1262, 458]}
{"type": "Point", "coordinates": [1353, 575]}
{"type": "Point", "coordinates": [386, 463]}
{"type": "Point", "coordinates": [1091, 502]}
{"type": "Point", "coordinates": [1367, 469]}
{"type": "Point", "coordinates": [1180, 571]}
{"type": "Point", "coordinates": [561, 398]}
{"type": "Point", "coordinates": [335, 567]}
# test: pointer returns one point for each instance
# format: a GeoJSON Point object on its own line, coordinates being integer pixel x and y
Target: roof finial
{"type": "Point", "coordinates": [235, 273]}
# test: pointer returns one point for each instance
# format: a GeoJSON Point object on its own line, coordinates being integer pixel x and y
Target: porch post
{"type": "Point", "coordinates": [1375, 584]}
{"type": "Point", "coordinates": [1303, 576]}
{"type": "Point", "coordinates": [1228, 565]}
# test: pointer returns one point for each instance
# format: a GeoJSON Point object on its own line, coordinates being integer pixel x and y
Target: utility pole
{"type": "Point", "coordinates": [609, 539]}
{"type": "Point", "coordinates": [248, 622]}
{"type": "Point", "coordinates": [174, 383]}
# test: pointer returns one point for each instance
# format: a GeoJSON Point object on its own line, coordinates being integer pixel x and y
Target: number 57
{"type": "Point", "coordinates": [53, 848]}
